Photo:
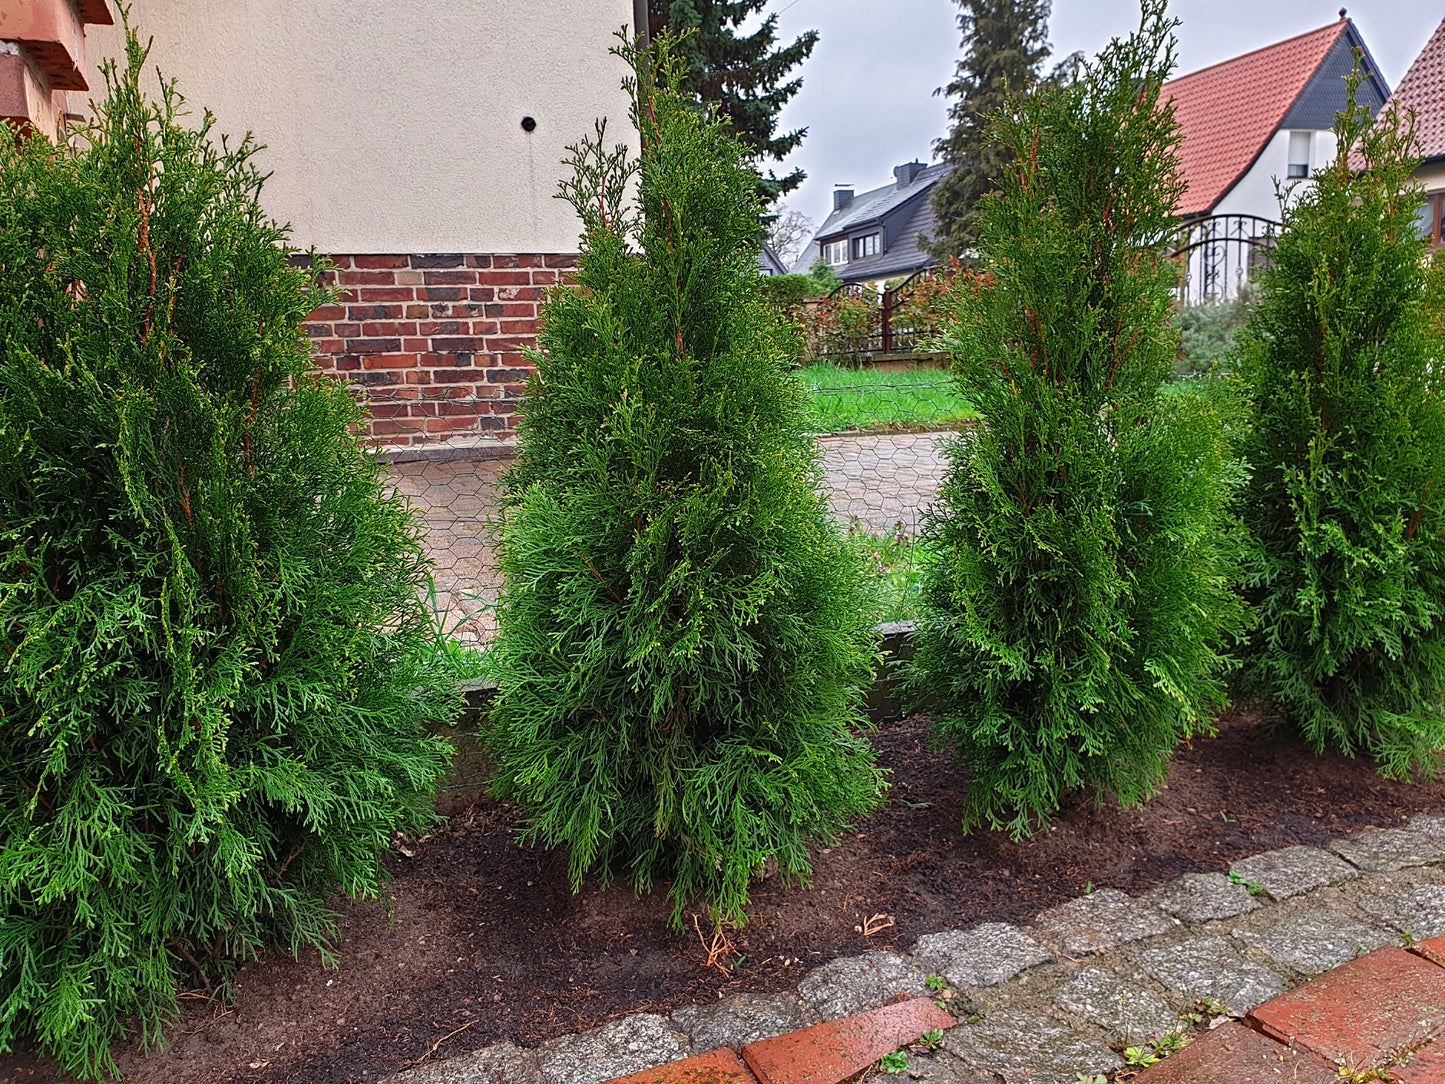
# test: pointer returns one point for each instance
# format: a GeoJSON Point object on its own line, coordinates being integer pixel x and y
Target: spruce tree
{"type": "Point", "coordinates": [1348, 448]}
{"type": "Point", "coordinates": [215, 661]}
{"type": "Point", "coordinates": [743, 76]}
{"type": "Point", "coordinates": [1075, 616]}
{"type": "Point", "coordinates": [682, 637]}
{"type": "Point", "coordinates": [1005, 43]}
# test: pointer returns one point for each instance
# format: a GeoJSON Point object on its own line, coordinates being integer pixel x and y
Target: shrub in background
{"type": "Point", "coordinates": [1208, 332]}
{"type": "Point", "coordinates": [1074, 616]}
{"type": "Point", "coordinates": [682, 637]}
{"type": "Point", "coordinates": [1347, 502]}
{"type": "Point", "coordinates": [214, 650]}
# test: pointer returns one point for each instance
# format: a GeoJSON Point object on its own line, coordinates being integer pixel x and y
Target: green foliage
{"type": "Point", "coordinates": [1005, 43]}
{"type": "Point", "coordinates": [744, 76]}
{"type": "Point", "coordinates": [1348, 448]}
{"type": "Point", "coordinates": [894, 564]}
{"type": "Point", "coordinates": [682, 638]}
{"type": "Point", "coordinates": [215, 646]}
{"type": "Point", "coordinates": [1207, 334]}
{"type": "Point", "coordinates": [1074, 616]}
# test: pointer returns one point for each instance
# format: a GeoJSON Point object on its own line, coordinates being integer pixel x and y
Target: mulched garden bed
{"type": "Point", "coordinates": [483, 941]}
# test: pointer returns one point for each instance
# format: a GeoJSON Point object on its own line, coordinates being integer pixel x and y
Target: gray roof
{"type": "Point", "coordinates": [903, 253]}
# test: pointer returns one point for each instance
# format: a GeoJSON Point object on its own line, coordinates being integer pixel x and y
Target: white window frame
{"type": "Point", "coordinates": [1299, 155]}
{"type": "Point", "coordinates": [835, 248]}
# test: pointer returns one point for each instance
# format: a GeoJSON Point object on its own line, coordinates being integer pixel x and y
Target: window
{"type": "Point", "coordinates": [1299, 155]}
{"type": "Point", "coordinates": [1432, 228]}
{"type": "Point", "coordinates": [835, 252]}
{"type": "Point", "coordinates": [865, 246]}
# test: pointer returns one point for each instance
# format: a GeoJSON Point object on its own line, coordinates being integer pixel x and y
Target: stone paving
{"type": "Point", "coordinates": [875, 480]}
{"type": "Point", "coordinates": [1060, 998]}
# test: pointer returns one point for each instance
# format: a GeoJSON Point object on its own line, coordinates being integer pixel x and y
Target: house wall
{"type": "Point", "coordinates": [1254, 194]}
{"type": "Point", "coordinates": [1431, 177]}
{"type": "Point", "coordinates": [394, 140]}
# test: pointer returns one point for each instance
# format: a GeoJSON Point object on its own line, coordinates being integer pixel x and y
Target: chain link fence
{"type": "Point", "coordinates": [881, 433]}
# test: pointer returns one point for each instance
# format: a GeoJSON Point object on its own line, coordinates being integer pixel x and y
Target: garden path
{"type": "Point", "coordinates": [879, 480]}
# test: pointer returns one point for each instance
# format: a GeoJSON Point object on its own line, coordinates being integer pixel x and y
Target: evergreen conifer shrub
{"type": "Point", "coordinates": [683, 636]}
{"type": "Point", "coordinates": [1347, 502]}
{"type": "Point", "coordinates": [1075, 618]}
{"type": "Point", "coordinates": [215, 667]}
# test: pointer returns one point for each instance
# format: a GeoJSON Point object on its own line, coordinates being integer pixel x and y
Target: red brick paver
{"type": "Point", "coordinates": [1232, 1054]}
{"type": "Point", "coordinates": [1364, 1012]}
{"type": "Point", "coordinates": [1432, 950]}
{"type": "Point", "coordinates": [1427, 1066]}
{"type": "Point", "coordinates": [719, 1067]}
{"type": "Point", "coordinates": [833, 1052]}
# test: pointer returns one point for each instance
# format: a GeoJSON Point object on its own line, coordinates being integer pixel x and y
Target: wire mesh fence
{"type": "Point", "coordinates": [881, 432]}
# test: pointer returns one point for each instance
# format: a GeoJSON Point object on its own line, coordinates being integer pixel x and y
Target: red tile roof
{"type": "Point", "coordinates": [1423, 90]}
{"type": "Point", "coordinates": [1230, 111]}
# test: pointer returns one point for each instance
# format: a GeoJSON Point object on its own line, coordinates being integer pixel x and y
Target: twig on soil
{"type": "Point", "coordinates": [877, 924]}
{"type": "Point", "coordinates": [720, 947]}
{"type": "Point", "coordinates": [439, 1042]}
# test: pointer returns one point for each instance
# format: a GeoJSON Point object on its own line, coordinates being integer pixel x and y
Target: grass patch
{"type": "Point", "coordinates": [895, 565]}
{"type": "Point", "coordinates": [866, 398]}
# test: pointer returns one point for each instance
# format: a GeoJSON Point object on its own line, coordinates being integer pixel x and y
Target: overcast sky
{"type": "Point", "coordinates": [867, 90]}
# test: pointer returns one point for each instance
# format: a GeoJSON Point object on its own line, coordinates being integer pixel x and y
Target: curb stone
{"type": "Point", "coordinates": [1040, 1017]}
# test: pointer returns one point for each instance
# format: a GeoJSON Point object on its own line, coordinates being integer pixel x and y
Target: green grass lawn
{"type": "Point", "coordinates": [895, 566]}
{"type": "Point", "coordinates": [865, 398]}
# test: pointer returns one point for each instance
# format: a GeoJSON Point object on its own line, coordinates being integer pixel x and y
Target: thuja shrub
{"type": "Point", "coordinates": [1076, 615]}
{"type": "Point", "coordinates": [1342, 356]}
{"type": "Point", "coordinates": [215, 666]}
{"type": "Point", "coordinates": [683, 635]}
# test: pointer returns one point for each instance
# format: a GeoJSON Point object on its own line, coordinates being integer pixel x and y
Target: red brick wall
{"type": "Point", "coordinates": [435, 341]}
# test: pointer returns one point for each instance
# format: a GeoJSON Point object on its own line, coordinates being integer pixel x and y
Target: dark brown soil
{"type": "Point", "coordinates": [483, 941]}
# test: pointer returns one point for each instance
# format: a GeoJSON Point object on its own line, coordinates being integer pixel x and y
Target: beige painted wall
{"type": "Point", "coordinates": [395, 125]}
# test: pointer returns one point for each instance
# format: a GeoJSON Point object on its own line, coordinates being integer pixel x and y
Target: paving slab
{"type": "Point", "coordinates": [624, 1046]}
{"type": "Point", "coordinates": [1099, 922]}
{"type": "Point", "coordinates": [500, 1063]}
{"type": "Point", "coordinates": [717, 1067]}
{"type": "Point", "coordinates": [1428, 824]}
{"type": "Point", "coordinates": [983, 956]}
{"type": "Point", "coordinates": [938, 1067]}
{"type": "Point", "coordinates": [1364, 1014]}
{"type": "Point", "coordinates": [1233, 1054]}
{"type": "Point", "coordinates": [1417, 911]}
{"type": "Point", "coordinates": [1425, 1066]}
{"type": "Point", "coordinates": [739, 1020]}
{"type": "Point", "coordinates": [1123, 1006]}
{"type": "Point", "coordinates": [1383, 850]}
{"type": "Point", "coordinates": [1211, 967]}
{"type": "Point", "coordinates": [1291, 871]}
{"type": "Point", "coordinates": [1022, 1046]}
{"type": "Point", "coordinates": [832, 1052]}
{"type": "Point", "coordinates": [1202, 897]}
{"type": "Point", "coordinates": [854, 983]}
{"type": "Point", "coordinates": [1311, 942]}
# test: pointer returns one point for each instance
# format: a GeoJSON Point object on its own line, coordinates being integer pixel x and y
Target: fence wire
{"type": "Point", "coordinates": [881, 433]}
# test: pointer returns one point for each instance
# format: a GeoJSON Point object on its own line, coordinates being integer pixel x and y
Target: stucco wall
{"type": "Point", "coordinates": [1255, 192]}
{"type": "Point", "coordinates": [1431, 177]}
{"type": "Point", "coordinates": [395, 127]}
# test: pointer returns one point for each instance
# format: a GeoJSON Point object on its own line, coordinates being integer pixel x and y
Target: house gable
{"type": "Point", "coordinates": [895, 212]}
{"type": "Point", "coordinates": [1324, 95]}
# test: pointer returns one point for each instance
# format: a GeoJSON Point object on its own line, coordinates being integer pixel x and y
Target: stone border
{"type": "Point", "coordinates": [1045, 1003]}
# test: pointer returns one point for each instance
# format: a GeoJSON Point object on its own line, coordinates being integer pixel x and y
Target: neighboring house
{"type": "Point", "coordinates": [1266, 118]}
{"type": "Point", "coordinates": [1422, 91]}
{"type": "Point", "coordinates": [769, 262]}
{"type": "Point", "coordinates": [419, 145]}
{"type": "Point", "coordinates": [873, 237]}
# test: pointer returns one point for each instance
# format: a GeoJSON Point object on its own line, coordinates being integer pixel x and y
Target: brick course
{"type": "Point", "coordinates": [434, 342]}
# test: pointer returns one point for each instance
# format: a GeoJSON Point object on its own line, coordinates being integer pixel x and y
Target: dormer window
{"type": "Point", "coordinates": [866, 245]}
{"type": "Point", "coordinates": [1299, 155]}
{"type": "Point", "coordinates": [835, 252]}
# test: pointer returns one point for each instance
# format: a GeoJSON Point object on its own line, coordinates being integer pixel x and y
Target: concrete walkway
{"type": "Point", "coordinates": [1061, 999]}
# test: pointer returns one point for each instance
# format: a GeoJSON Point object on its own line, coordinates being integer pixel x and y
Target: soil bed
{"type": "Point", "coordinates": [484, 941]}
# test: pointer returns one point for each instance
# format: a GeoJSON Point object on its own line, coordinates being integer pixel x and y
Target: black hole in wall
{"type": "Point", "coordinates": [528, 124]}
